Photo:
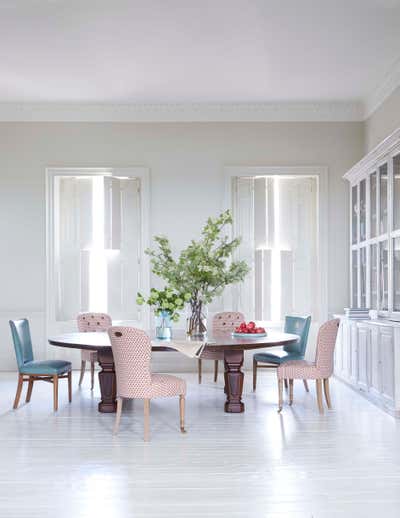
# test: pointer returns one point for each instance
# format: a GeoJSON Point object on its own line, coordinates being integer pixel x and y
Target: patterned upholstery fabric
{"type": "Point", "coordinates": [132, 354]}
{"type": "Point", "coordinates": [223, 323]}
{"type": "Point", "coordinates": [322, 368]}
{"type": "Point", "coordinates": [92, 322]}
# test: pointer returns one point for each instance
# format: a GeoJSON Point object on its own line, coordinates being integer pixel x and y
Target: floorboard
{"type": "Point", "coordinates": [345, 463]}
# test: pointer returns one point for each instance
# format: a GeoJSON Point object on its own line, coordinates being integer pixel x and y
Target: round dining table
{"type": "Point", "coordinates": [232, 346]}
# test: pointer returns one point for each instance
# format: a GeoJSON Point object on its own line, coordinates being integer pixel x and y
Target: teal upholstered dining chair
{"type": "Point", "coordinates": [31, 370]}
{"type": "Point", "coordinates": [271, 360]}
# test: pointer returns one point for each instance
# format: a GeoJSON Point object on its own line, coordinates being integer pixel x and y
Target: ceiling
{"type": "Point", "coordinates": [203, 51]}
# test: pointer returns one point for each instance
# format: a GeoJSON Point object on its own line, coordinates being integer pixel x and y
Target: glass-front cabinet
{"type": "Point", "coordinates": [375, 230]}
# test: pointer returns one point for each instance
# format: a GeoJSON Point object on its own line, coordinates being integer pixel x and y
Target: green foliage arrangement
{"type": "Point", "coordinates": [164, 301]}
{"type": "Point", "coordinates": [203, 269]}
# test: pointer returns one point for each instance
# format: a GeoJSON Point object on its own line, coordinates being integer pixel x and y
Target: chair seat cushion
{"type": "Point", "coordinates": [299, 369]}
{"type": "Point", "coordinates": [164, 385]}
{"type": "Point", "coordinates": [211, 355]}
{"type": "Point", "coordinates": [88, 356]}
{"type": "Point", "coordinates": [277, 357]}
{"type": "Point", "coordinates": [46, 367]}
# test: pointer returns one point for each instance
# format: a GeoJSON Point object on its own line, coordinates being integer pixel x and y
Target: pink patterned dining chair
{"type": "Point", "coordinates": [320, 370]}
{"type": "Point", "coordinates": [91, 323]}
{"type": "Point", "coordinates": [132, 354]}
{"type": "Point", "coordinates": [221, 323]}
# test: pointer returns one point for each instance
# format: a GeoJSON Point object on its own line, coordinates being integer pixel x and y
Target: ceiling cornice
{"type": "Point", "coordinates": [383, 91]}
{"type": "Point", "coordinates": [192, 112]}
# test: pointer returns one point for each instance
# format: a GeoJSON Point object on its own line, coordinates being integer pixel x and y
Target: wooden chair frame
{"type": "Point", "coordinates": [318, 385]}
{"type": "Point", "coordinates": [147, 416]}
{"type": "Point", "coordinates": [257, 365]}
{"type": "Point", "coordinates": [199, 369]}
{"type": "Point", "coordinates": [31, 378]}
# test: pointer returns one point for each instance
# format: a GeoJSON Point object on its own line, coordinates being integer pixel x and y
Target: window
{"type": "Point", "coordinates": [95, 242]}
{"type": "Point", "coordinates": [277, 217]}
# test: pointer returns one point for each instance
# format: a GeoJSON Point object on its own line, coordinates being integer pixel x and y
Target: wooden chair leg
{"type": "Point", "coordinates": [306, 385]}
{"type": "Point", "coordinates": [280, 392]}
{"type": "Point", "coordinates": [182, 413]}
{"type": "Point", "coordinates": [118, 415]}
{"type": "Point", "coordinates": [91, 375]}
{"type": "Point", "coordinates": [83, 367]}
{"type": "Point", "coordinates": [286, 384]}
{"type": "Point", "coordinates": [70, 386]}
{"type": "Point", "coordinates": [327, 393]}
{"type": "Point", "coordinates": [290, 392]}
{"type": "Point", "coordinates": [29, 391]}
{"type": "Point", "coordinates": [215, 371]}
{"type": "Point", "coordinates": [146, 419]}
{"type": "Point", "coordinates": [254, 374]}
{"type": "Point", "coordinates": [199, 369]}
{"type": "Point", "coordinates": [55, 393]}
{"type": "Point", "coordinates": [19, 390]}
{"type": "Point", "coordinates": [319, 396]}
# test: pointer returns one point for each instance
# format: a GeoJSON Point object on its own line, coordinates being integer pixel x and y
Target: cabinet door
{"type": "Point", "coordinates": [353, 353]}
{"type": "Point", "coordinates": [362, 353]}
{"type": "Point", "coordinates": [346, 350]}
{"type": "Point", "coordinates": [387, 359]}
{"type": "Point", "coordinates": [374, 363]}
{"type": "Point", "coordinates": [338, 356]}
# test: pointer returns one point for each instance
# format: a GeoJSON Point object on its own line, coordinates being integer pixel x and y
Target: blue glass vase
{"type": "Point", "coordinates": [163, 325]}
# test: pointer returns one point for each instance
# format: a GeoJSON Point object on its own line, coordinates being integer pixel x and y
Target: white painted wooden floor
{"type": "Point", "coordinates": [257, 464]}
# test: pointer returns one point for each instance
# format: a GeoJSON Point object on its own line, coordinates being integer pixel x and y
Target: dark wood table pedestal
{"type": "Point", "coordinates": [107, 380]}
{"type": "Point", "coordinates": [233, 381]}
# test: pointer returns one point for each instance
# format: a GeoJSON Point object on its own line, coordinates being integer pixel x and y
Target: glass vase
{"type": "Point", "coordinates": [163, 325]}
{"type": "Point", "coordinates": [196, 321]}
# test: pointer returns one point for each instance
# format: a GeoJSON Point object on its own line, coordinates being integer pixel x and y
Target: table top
{"type": "Point", "coordinates": [217, 342]}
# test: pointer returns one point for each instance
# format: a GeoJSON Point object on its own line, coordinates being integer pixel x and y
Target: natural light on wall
{"type": "Point", "coordinates": [98, 260]}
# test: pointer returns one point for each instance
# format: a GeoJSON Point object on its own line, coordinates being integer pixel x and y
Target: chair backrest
{"type": "Point", "coordinates": [226, 321]}
{"type": "Point", "coordinates": [131, 349]}
{"type": "Point", "coordinates": [297, 326]}
{"type": "Point", "coordinates": [325, 347]}
{"type": "Point", "coordinates": [93, 322]}
{"type": "Point", "coordinates": [21, 336]}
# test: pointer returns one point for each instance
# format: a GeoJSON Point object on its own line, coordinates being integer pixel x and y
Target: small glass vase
{"type": "Point", "coordinates": [163, 325]}
{"type": "Point", "coordinates": [196, 321]}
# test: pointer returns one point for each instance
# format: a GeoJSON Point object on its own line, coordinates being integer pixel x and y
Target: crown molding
{"type": "Point", "coordinates": [383, 91]}
{"type": "Point", "coordinates": [389, 146]}
{"type": "Point", "coordinates": [192, 112]}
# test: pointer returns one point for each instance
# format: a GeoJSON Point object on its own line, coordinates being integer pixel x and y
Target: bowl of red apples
{"type": "Point", "coordinates": [249, 330]}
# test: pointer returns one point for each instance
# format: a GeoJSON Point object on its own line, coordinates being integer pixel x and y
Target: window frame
{"type": "Point", "coordinates": [321, 175]}
{"type": "Point", "coordinates": [51, 173]}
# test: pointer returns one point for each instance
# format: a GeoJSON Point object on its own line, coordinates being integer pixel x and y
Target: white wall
{"type": "Point", "coordinates": [383, 121]}
{"type": "Point", "coordinates": [187, 185]}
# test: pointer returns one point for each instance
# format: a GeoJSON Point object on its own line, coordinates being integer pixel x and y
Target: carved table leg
{"type": "Point", "coordinates": [233, 381]}
{"type": "Point", "coordinates": [108, 385]}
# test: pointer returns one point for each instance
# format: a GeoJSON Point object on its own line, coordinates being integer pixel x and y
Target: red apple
{"type": "Point", "coordinates": [251, 325]}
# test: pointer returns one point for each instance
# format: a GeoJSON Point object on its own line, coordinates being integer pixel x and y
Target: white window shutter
{"type": "Point", "coordinates": [243, 211]}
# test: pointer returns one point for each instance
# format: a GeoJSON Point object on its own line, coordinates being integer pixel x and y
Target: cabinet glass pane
{"type": "Point", "coordinates": [383, 198]}
{"type": "Point", "coordinates": [374, 277]}
{"type": "Point", "coordinates": [363, 277]}
{"type": "Point", "coordinates": [354, 277]}
{"type": "Point", "coordinates": [396, 274]}
{"type": "Point", "coordinates": [363, 210]}
{"type": "Point", "coordinates": [383, 275]}
{"type": "Point", "coordinates": [373, 204]}
{"type": "Point", "coordinates": [396, 192]}
{"type": "Point", "coordinates": [354, 214]}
